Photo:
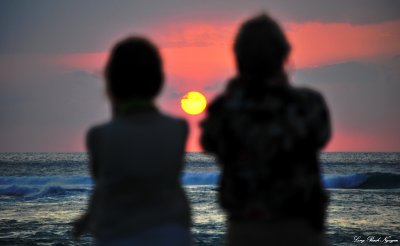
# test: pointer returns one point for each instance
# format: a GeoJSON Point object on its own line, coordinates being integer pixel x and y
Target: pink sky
{"type": "Point", "coordinates": [199, 54]}
{"type": "Point", "coordinates": [52, 56]}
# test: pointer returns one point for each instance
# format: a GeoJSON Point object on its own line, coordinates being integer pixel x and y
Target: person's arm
{"type": "Point", "coordinates": [184, 131]}
{"type": "Point", "coordinates": [82, 224]}
{"type": "Point", "coordinates": [211, 126]}
{"type": "Point", "coordinates": [322, 122]}
{"type": "Point", "coordinates": [319, 119]}
{"type": "Point", "coordinates": [91, 137]}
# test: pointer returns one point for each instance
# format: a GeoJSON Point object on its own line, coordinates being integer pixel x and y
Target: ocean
{"type": "Point", "coordinates": [42, 193]}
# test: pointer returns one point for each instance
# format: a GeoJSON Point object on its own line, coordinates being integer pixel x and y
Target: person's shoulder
{"type": "Point", "coordinates": [93, 134]}
{"type": "Point", "coordinates": [217, 103]}
{"type": "Point", "coordinates": [306, 91]}
{"type": "Point", "coordinates": [308, 94]}
{"type": "Point", "coordinates": [313, 101]}
{"type": "Point", "coordinates": [173, 120]}
{"type": "Point", "coordinates": [98, 128]}
{"type": "Point", "coordinates": [175, 124]}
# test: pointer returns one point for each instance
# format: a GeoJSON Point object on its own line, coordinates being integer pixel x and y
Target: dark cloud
{"type": "Point", "coordinates": [171, 92]}
{"type": "Point", "coordinates": [82, 26]}
{"type": "Point", "coordinates": [343, 73]}
{"type": "Point", "coordinates": [363, 96]}
{"type": "Point", "coordinates": [50, 114]}
{"type": "Point", "coordinates": [215, 87]}
{"type": "Point", "coordinates": [350, 11]}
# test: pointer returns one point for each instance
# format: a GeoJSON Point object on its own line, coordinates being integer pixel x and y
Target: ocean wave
{"type": "Point", "coordinates": [352, 181]}
{"type": "Point", "coordinates": [34, 186]}
{"type": "Point", "coordinates": [363, 181]}
{"type": "Point", "coordinates": [344, 181]}
{"type": "Point", "coordinates": [35, 192]}
{"type": "Point", "coordinates": [200, 178]}
{"type": "Point", "coordinates": [15, 190]}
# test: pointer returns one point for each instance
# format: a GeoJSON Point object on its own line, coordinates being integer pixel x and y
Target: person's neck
{"type": "Point", "coordinates": [133, 106]}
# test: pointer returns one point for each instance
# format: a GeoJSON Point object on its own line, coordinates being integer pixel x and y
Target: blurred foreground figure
{"type": "Point", "coordinates": [267, 136]}
{"type": "Point", "coordinates": [136, 159]}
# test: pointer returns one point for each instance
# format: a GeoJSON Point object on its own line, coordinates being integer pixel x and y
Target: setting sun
{"type": "Point", "coordinates": [193, 102]}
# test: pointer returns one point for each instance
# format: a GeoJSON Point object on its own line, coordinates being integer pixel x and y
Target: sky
{"type": "Point", "coordinates": [52, 55]}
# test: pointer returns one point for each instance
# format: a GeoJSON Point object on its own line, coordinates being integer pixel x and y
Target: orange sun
{"type": "Point", "coordinates": [193, 102]}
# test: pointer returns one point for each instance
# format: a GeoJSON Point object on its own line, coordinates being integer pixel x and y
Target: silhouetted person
{"type": "Point", "coordinates": [136, 158]}
{"type": "Point", "coordinates": [267, 136]}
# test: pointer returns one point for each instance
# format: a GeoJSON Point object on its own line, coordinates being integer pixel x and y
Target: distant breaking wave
{"type": "Point", "coordinates": [200, 178]}
{"type": "Point", "coordinates": [363, 181]}
{"type": "Point", "coordinates": [34, 186]}
{"type": "Point", "coordinates": [352, 181]}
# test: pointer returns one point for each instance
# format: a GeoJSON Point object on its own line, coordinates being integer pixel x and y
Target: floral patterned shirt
{"type": "Point", "coordinates": [267, 142]}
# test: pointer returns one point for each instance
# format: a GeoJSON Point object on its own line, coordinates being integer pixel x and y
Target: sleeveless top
{"type": "Point", "coordinates": [136, 161]}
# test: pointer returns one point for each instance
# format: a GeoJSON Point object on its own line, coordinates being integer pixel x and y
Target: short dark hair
{"type": "Point", "coordinates": [261, 48]}
{"type": "Point", "coordinates": [134, 70]}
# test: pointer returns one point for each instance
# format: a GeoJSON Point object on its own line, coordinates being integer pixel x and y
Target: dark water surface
{"type": "Point", "coordinates": [41, 193]}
